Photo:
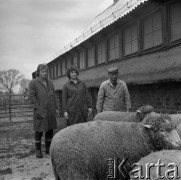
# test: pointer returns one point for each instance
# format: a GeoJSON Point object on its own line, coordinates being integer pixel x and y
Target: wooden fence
{"type": "Point", "coordinates": [14, 106]}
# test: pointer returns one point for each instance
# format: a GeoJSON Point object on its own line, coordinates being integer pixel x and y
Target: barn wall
{"type": "Point", "coordinates": [164, 97]}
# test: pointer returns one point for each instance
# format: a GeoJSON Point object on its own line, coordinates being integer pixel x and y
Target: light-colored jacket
{"type": "Point", "coordinates": [110, 99]}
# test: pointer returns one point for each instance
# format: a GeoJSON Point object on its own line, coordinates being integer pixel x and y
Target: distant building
{"type": "Point", "coordinates": [142, 38]}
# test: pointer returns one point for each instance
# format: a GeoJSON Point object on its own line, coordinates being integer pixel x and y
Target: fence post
{"type": "Point", "coordinates": [4, 104]}
{"type": "Point", "coordinates": [10, 107]}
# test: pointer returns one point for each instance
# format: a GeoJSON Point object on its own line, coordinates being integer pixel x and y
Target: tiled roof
{"type": "Point", "coordinates": [107, 17]}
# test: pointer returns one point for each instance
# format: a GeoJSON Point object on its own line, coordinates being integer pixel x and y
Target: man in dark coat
{"type": "Point", "coordinates": [75, 99]}
{"type": "Point", "coordinates": [42, 97]}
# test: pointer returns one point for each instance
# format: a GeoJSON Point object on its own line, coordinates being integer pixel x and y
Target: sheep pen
{"type": "Point", "coordinates": [163, 164]}
{"type": "Point", "coordinates": [137, 116]}
{"type": "Point", "coordinates": [82, 151]}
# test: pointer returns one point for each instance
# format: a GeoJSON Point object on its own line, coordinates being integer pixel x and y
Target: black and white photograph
{"type": "Point", "coordinates": [90, 90]}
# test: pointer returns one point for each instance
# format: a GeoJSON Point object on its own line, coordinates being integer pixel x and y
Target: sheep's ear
{"type": "Point", "coordinates": [147, 126]}
{"type": "Point", "coordinates": [138, 111]}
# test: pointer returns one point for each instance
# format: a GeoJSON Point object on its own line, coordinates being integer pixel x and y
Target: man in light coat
{"type": "Point", "coordinates": [113, 94]}
{"type": "Point", "coordinates": [41, 95]}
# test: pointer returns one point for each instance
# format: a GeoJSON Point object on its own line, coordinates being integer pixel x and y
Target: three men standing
{"type": "Point", "coordinates": [113, 94]}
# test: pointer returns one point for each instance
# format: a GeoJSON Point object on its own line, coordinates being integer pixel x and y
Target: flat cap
{"type": "Point", "coordinates": [112, 69]}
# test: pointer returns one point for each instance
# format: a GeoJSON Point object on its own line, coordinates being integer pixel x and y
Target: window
{"type": "Point", "coordinates": [175, 19]}
{"type": "Point", "coordinates": [91, 56]}
{"type": "Point", "coordinates": [131, 39]}
{"type": "Point", "coordinates": [101, 52]}
{"type": "Point", "coordinates": [152, 31]}
{"type": "Point", "coordinates": [55, 70]}
{"type": "Point", "coordinates": [63, 67]}
{"type": "Point", "coordinates": [59, 68]}
{"type": "Point", "coordinates": [75, 61]}
{"type": "Point", "coordinates": [113, 48]}
{"type": "Point", "coordinates": [82, 59]}
{"type": "Point", "coordinates": [51, 72]}
{"type": "Point", "coordinates": [69, 62]}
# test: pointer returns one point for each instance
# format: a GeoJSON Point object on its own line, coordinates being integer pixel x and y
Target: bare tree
{"type": "Point", "coordinates": [24, 86]}
{"type": "Point", "coordinates": [8, 80]}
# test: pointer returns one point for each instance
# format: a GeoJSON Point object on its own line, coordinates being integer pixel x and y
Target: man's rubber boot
{"type": "Point", "coordinates": [38, 150]}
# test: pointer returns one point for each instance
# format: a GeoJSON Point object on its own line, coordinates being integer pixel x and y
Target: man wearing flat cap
{"type": "Point", "coordinates": [41, 95]}
{"type": "Point", "coordinates": [113, 94]}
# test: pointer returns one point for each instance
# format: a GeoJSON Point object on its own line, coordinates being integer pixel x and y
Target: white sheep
{"type": "Point", "coordinates": [177, 120]}
{"type": "Point", "coordinates": [163, 164]}
{"type": "Point", "coordinates": [137, 116]}
{"type": "Point", "coordinates": [82, 151]}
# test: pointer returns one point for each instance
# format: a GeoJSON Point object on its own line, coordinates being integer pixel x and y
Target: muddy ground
{"type": "Point", "coordinates": [17, 151]}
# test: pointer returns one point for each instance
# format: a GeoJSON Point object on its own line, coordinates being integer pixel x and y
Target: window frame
{"type": "Point", "coordinates": [75, 55]}
{"type": "Point", "coordinates": [56, 65]}
{"type": "Point", "coordinates": [97, 54]}
{"type": "Point", "coordinates": [63, 61]}
{"type": "Point", "coordinates": [94, 56]}
{"type": "Point", "coordinates": [68, 61]}
{"type": "Point", "coordinates": [117, 33]}
{"type": "Point", "coordinates": [84, 59]}
{"type": "Point", "coordinates": [52, 71]}
{"type": "Point", "coordinates": [59, 69]}
{"type": "Point", "coordinates": [123, 39]}
{"type": "Point", "coordinates": [168, 7]}
{"type": "Point", "coordinates": [142, 31]}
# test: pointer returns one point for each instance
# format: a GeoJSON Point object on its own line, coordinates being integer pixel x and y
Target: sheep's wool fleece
{"type": "Point", "coordinates": [118, 116]}
{"type": "Point", "coordinates": [176, 118]}
{"type": "Point", "coordinates": [85, 148]}
{"type": "Point", "coordinates": [165, 157]}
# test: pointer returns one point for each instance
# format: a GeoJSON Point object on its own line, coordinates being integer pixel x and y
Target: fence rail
{"type": "Point", "coordinates": [14, 106]}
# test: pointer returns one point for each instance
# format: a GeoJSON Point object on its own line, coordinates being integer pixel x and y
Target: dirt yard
{"type": "Point", "coordinates": [17, 151]}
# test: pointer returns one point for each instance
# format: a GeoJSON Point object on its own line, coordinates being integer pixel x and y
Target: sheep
{"type": "Point", "coordinates": [81, 151]}
{"type": "Point", "coordinates": [177, 120]}
{"type": "Point", "coordinates": [157, 165]}
{"type": "Point", "coordinates": [137, 116]}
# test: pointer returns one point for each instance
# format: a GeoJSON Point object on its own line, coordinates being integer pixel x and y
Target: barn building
{"type": "Point", "coordinates": [143, 39]}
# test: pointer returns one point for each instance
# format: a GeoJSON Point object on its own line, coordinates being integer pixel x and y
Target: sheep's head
{"type": "Point", "coordinates": [143, 111]}
{"type": "Point", "coordinates": [162, 132]}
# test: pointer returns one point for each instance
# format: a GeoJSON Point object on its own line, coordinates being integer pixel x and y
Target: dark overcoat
{"type": "Point", "coordinates": [43, 101]}
{"type": "Point", "coordinates": [75, 101]}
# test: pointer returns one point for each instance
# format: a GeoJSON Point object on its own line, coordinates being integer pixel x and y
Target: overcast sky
{"type": "Point", "coordinates": [32, 31]}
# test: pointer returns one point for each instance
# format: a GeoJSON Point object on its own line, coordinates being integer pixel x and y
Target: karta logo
{"type": "Point", "coordinates": [115, 168]}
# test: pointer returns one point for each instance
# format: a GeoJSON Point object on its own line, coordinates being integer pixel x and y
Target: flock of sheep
{"type": "Point", "coordinates": [149, 141]}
